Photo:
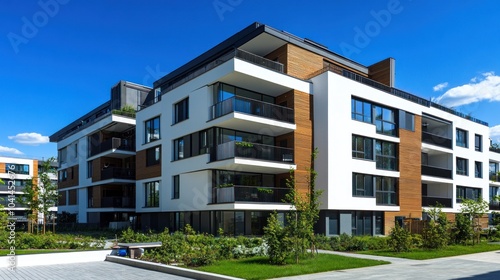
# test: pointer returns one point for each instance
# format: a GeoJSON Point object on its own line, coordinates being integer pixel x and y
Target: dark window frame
{"type": "Point", "coordinates": [152, 194]}
{"type": "Point", "coordinates": [181, 111]}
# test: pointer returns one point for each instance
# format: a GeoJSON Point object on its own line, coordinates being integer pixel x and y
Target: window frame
{"type": "Point", "coordinates": [384, 195]}
{"type": "Point", "coordinates": [478, 173]}
{"type": "Point", "coordinates": [153, 156]}
{"type": "Point", "coordinates": [478, 142]}
{"type": "Point", "coordinates": [461, 138]}
{"type": "Point", "coordinates": [180, 111]}
{"type": "Point", "coordinates": [152, 194]}
{"type": "Point", "coordinates": [465, 190]}
{"type": "Point", "coordinates": [150, 129]}
{"type": "Point", "coordinates": [465, 170]}
{"type": "Point", "coordinates": [368, 188]}
{"type": "Point", "coordinates": [367, 154]}
{"type": "Point", "coordinates": [385, 157]}
{"type": "Point", "coordinates": [176, 181]}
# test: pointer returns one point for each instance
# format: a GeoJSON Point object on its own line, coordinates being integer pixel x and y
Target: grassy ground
{"type": "Point", "coordinates": [259, 267]}
{"type": "Point", "coordinates": [421, 254]}
{"type": "Point", "coordinates": [4, 252]}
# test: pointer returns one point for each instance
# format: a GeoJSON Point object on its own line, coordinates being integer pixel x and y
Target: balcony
{"type": "Point", "coordinates": [436, 171]}
{"type": "Point", "coordinates": [494, 177]}
{"type": "Point", "coordinates": [430, 201]}
{"type": "Point", "coordinates": [252, 107]}
{"type": "Point", "coordinates": [112, 202]}
{"type": "Point", "coordinates": [118, 173]}
{"type": "Point", "coordinates": [113, 144]}
{"type": "Point", "coordinates": [249, 194]}
{"type": "Point", "coordinates": [436, 140]}
{"type": "Point", "coordinates": [256, 151]}
{"type": "Point", "coordinates": [494, 205]}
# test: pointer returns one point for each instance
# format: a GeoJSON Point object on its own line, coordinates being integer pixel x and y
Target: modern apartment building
{"type": "Point", "coordinates": [15, 173]}
{"type": "Point", "coordinates": [97, 160]}
{"type": "Point", "coordinates": [214, 142]}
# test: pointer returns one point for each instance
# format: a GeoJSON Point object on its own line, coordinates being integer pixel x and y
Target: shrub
{"type": "Point", "coordinates": [278, 244]}
{"type": "Point", "coordinates": [399, 239]}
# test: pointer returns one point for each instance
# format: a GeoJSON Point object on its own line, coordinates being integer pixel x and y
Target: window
{"type": "Point", "coordinates": [181, 111]}
{"type": "Point", "coordinates": [76, 150]}
{"type": "Point", "coordinates": [89, 169]}
{"type": "Point", "coordinates": [17, 168]}
{"type": "Point", "coordinates": [478, 139]}
{"type": "Point", "coordinates": [62, 155]}
{"type": "Point", "coordinates": [152, 129]}
{"type": "Point", "coordinates": [175, 187]}
{"type": "Point", "coordinates": [478, 169]}
{"type": "Point", "coordinates": [362, 222]}
{"type": "Point", "coordinates": [179, 149]}
{"type": "Point", "coordinates": [63, 175]}
{"type": "Point", "coordinates": [362, 185]}
{"type": "Point", "coordinates": [153, 156]}
{"type": "Point", "coordinates": [385, 121]}
{"type": "Point", "coordinates": [467, 193]}
{"type": "Point", "coordinates": [361, 111]}
{"type": "Point", "coordinates": [386, 190]}
{"type": "Point", "coordinates": [333, 224]}
{"type": "Point", "coordinates": [157, 96]}
{"type": "Point", "coordinates": [462, 166]}
{"type": "Point", "coordinates": [461, 138]}
{"type": "Point", "coordinates": [385, 155]}
{"type": "Point", "coordinates": [362, 147]}
{"type": "Point", "coordinates": [152, 194]}
{"type": "Point", "coordinates": [406, 120]}
{"type": "Point", "coordinates": [73, 197]}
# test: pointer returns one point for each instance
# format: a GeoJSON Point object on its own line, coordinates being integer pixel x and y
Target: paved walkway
{"type": "Point", "coordinates": [482, 266]}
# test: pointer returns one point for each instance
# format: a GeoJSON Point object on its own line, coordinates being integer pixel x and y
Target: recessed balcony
{"type": "Point", "coordinates": [494, 205]}
{"type": "Point", "coordinates": [114, 145]}
{"type": "Point", "coordinates": [436, 140]}
{"type": "Point", "coordinates": [249, 194]}
{"type": "Point", "coordinates": [112, 202]}
{"type": "Point", "coordinates": [252, 107]}
{"type": "Point", "coordinates": [249, 150]}
{"type": "Point", "coordinates": [437, 171]}
{"type": "Point", "coordinates": [431, 201]}
{"type": "Point", "coordinates": [118, 173]}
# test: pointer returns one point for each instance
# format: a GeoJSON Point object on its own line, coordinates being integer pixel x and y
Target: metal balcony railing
{"type": "Point", "coordinates": [436, 140]}
{"type": "Point", "coordinates": [431, 201]}
{"type": "Point", "coordinates": [234, 149]}
{"type": "Point", "coordinates": [113, 143]}
{"type": "Point", "coordinates": [436, 171]}
{"type": "Point", "coordinates": [118, 173]}
{"type": "Point", "coordinates": [249, 194]}
{"type": "Point", "coordinates": [251, 107]}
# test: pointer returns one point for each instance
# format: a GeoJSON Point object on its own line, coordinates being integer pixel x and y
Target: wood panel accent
{"type": "Point", "coordinates": [303, 138]}
{"type": "Point", "coordinates": [2, 167]}
{"type": "Point", "coordinates": [73, 177]}
{"type": "Point", "coordinates": [301, 63]}
{"type": "Point", "coordinates": [280, 55]}
{"type": "Point", "coordinates": [381, 72]}
{"type": "Point", "coordinates": [97, 164]}
{"type": "Point", "coordinates": [410, 179]}
{"type": "Point", "coordinates": [144, 172]}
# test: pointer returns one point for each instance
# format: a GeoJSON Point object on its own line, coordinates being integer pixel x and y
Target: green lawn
{"type": "Point", "coordinates": [259, 267]}
{"type": "Point", "coordinates": [421, 254]}
{"type": "Point", "coordinates": [4, 252]}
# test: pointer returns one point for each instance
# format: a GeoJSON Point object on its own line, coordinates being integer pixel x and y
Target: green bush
{"type": "Point", "coordinates": [277, 241]}
{"type": "Point", "coordinates": [400, 239]}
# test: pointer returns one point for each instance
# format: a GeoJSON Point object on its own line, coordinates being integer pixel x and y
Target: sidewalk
{"type": "Point", "coordinates": [56, 258]}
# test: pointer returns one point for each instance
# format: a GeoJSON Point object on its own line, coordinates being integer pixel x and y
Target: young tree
{"type": "Point", "coordinates": [435, 234]}
{"type": "Point", "coordinates": [474, 210]}
{"type": "Point", "coordinates": [40, 193]}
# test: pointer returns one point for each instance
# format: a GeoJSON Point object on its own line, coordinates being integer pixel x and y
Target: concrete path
{"type": "Point", "coordinates": [482, 266]}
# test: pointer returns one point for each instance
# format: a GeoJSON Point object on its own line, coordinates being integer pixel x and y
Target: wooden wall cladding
{"type": "Point", "coordinates": [381, 72]}
{"type": "Point", "coordinates": [73, 177]}
{"type": "Point", "coordinates": [410, 175]}
{"type": "Point", "coordinates": [301, 63]}
{"type": "Point", "coordinates": [144, 172]}
{"type": "Point", "coordinates": [303, 138]}
{"type": "Point", "coordinates": [2, 167]}
{"type": "Point", "coordinates": [280, 55]}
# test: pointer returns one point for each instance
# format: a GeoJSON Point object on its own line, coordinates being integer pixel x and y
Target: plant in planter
{"type": "Point", "coordinates": [244, 149]}
{"type": "Point", "coordinates": [225, 185]}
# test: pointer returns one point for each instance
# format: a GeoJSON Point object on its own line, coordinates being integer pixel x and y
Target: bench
{"type": "Point", "coordinates": [135, 250]}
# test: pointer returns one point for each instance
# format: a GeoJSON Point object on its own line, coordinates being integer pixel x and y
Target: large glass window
{"type": "Point", "coordinates": [478, 169]}
{"type": "Point", "coordinates": [385, 121]}
{"type": "Point", "coordinates": [361, 110]}
{"type": "Point", "coordinates": [179, 149]}
{"type": "Point", "coordinates": [478, 139]}
{"type": "Point", "coordinates": [362, 185]}
{"type": "Point", "coordinates": [181, 111]}
{"type": "Point", "coordinates": [152, 129]}
{"type": "Point", "coordinates": [153, 156]}
{"type": "Point", "coordinates": [362, 222]}
{"type": "Point", "coordinates": [468, 193]}
{"type": "Point", "coordinates": [461, 138]}
{"type": "Point", "coordinates": [386, 188]}
{"type": "Point", "coordinates": [152, 194]}
{"type": "Point", "coordinates": [175, 187]}
{"type": "Point", "coordinates": [385, 155]}
{"type": "Point", "coordinates": [362, 147]}
{"type": "Point", "coordinates": [462, 166]}
{"type": "Point", "coordinates": [17, 168]}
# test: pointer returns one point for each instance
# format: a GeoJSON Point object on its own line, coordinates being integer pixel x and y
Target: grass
{"type": "Point", "coordinates": [259, 267]}
{"type": "Point", "coordinates": [450, 251]}
{"type": "Point", "coordinates": [4, 252]}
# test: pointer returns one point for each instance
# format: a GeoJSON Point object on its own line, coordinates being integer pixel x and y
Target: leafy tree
{"type": "Point", "coordinates": [475, 210]}
{"type": "Point", "coordinates": [40, 192]}
{"type": "Point", "coordinates": [277, 240]}
{"type": "Point", "coordinates": [399, 239]}
{"type": "Point", "coordinates": [436, 232]}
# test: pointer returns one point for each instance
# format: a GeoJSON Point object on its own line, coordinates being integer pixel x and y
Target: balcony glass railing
{"type": "Point", "coordinates": [118, 173]}
{"type": "Point", "coordinates": [431, 201]}
{"type": "Point", "coordinates": [112, 202]}
{"type": "Point", "coordinates": [436, 140]}
{"type": "Point", "coordinates": [436, 171]}
{"type": "Point", "coordinates": [234, 149]}
{"type": "Point", "coordinates": [251, 107]}
{"type": "Point", "coordinates": [494, 205]}
{"type": "Point", "coordinates": [249, 194]}
{"type": "Point", "coordinates": [113, 143]}
{"type": "Point", "coordinates": [494, 177]}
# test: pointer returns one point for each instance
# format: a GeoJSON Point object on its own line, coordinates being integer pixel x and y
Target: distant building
{"type": "Point", "coordinates": [17, 172]}
{"type": "Point", "coordinates": [213, 142]}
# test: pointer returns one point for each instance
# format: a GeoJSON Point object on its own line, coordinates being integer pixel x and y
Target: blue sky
{"type": "Point", "coordinates": [59, 58]}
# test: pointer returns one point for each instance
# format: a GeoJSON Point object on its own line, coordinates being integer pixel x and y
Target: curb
{"type": "Point", "coordinates": [179, 271]}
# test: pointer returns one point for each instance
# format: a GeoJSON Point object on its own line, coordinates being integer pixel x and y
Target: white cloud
{"type": "Point", "coordinates": [440, 86]}
{"type": "Point", "coordinates": [485, 88]}
{"type": "Point", "coordinates": [495, 134]}
{"type": "Point", "coordinates": [30, 138]}
{"type": "Point", "coordinates": [10, 150]}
